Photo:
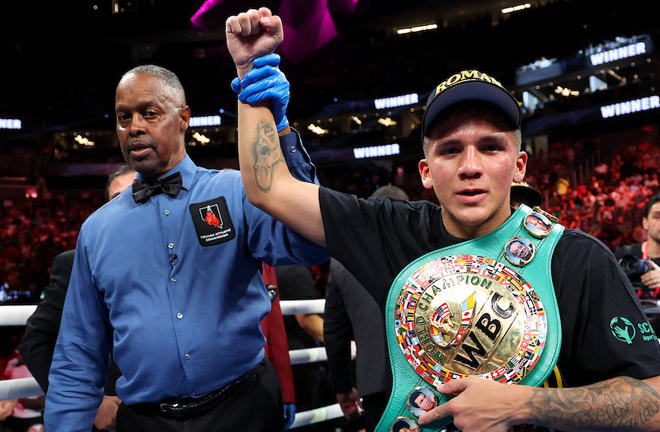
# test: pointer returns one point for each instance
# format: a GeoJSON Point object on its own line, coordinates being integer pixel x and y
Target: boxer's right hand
{"type": "Point", "coordinates": [252, 34]}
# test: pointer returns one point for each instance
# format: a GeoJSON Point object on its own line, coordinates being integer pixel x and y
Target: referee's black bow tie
{"type": "Point", "coordinates": [143, 189]}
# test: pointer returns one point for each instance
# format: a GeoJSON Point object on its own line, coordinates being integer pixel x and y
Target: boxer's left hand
{"type": "Point", "coordinates": [479, 405]}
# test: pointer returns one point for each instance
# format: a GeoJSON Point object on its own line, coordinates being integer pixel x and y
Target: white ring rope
{"type": "Point", "coordinates": [292, 307]}
{"type": "Point", "coordinates": [317, 415]}
{"type": "Point", "coordinates": [18, 388]}
{"type": "Point", "coordinates": [17, 315]}
{"type": "Point", "coordinates": [307, 355]}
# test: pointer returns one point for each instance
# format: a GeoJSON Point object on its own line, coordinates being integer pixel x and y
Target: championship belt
{"type": "Point", "coordinates": [484, 307]}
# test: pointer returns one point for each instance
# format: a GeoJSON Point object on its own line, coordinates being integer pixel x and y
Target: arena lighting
{"type": "Point", "coordinates": [201, 138]}
{"type": "Point", "coordinates": [10, 124]}
{"type": "Point", "coordinates": [618, 53]}
{"type": "Point", "coordinates": [356, 120]}
{"type": "Point", "coordinates": [630, 107]}
{"type": "Point", "coordinates": [83, 141]}
{"type": "Point", "coordinates": [396, 101]}
{"type": "Point", "coordinates": [376, 151]}
{"type": "Point", "coordinates": [516, 8]}
{"type": "Point", "coordinates": [31, 192]}
{"type": "Point", "coordinates": [566, 91]}
{"type": "Point", "coordinates": [416, 29]}
{"type": "Point", "coordinates": [614, 74]}
{"type": "Point", "coordinates": [317, 129]}
{"type": "Point", "coordinates": [124, 6]}
{"type": "Point", "coordinates": [386, 121]}
{"type": "Point", "coordinates": [213, 120]}
{"type": "Point", "coordinates": [205, 7]}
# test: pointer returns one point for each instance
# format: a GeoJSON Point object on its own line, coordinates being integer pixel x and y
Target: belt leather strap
{"type": "Point", "coordinates": [185, 407]}
{"type": "Point", "coordinates": [488, 257]}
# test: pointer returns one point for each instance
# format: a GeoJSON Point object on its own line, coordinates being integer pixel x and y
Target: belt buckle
{"type": "Point", "coordinates": [167, 408]}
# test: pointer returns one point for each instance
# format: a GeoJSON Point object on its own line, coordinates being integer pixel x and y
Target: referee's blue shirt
{"type": "Point", "coordinates": [180, 299]}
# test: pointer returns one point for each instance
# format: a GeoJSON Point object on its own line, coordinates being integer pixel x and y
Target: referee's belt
{"type": "Point", "coordinates": [185, 407]}
{"type": "Point", "coordinates": [485, 307]}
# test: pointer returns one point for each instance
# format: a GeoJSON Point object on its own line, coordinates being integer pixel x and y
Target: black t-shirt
{"type": "Point", "coordinates": [376, 238]}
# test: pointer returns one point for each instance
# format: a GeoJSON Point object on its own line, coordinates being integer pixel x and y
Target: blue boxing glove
{"type": "Point", "coordinates": [266, 82]}
{"type": "Point", "coordinates": [289, 415]}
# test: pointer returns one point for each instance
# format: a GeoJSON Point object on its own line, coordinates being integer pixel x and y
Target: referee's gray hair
{"type": "Point", "coordinates": [166, 75]}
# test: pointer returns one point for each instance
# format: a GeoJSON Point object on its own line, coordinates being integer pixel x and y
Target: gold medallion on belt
{"type": "Point", "coordinates": [463, 315]}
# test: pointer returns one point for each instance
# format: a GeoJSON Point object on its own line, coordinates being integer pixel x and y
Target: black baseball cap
{"type": "Point", "coordinates": [470, 85]}
{"type": "Point", "coordinates": [526, 193]}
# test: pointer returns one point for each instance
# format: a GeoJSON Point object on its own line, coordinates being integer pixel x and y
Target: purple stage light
{"type": "Point", "coordinates": [308, 25]}
{"type": "Point", "coordinates": [205, 7]}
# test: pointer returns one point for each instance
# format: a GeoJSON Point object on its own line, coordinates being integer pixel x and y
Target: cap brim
{"type": "Point", "coordinates": [473, 90]}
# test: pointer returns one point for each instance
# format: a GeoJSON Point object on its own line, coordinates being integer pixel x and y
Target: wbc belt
{"type": "Point", "coordinates": [485, 307]}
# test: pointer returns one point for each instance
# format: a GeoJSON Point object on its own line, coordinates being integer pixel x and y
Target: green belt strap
{"type": "Point", "coordinates": [491, 248]}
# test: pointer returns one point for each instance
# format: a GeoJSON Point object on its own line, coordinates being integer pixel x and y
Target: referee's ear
{"type": "Point", "coordinates": [184, 114]}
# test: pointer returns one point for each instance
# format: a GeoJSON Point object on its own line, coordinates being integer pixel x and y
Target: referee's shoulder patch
{"type": "Point", "coordinates": [212, 222]}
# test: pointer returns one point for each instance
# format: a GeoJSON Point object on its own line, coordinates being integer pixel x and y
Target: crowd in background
{"type": "Point", "coordinates": [32, 233]}
{"type": "Point", "coordinates": [607, 203]}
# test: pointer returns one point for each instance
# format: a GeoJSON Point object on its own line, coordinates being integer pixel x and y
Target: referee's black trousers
{"type": "Point", "coordinates": [255, 406]}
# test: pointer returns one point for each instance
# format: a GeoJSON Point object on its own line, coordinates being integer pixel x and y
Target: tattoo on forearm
{"type": "Point", "coordinates": [267, 154]}
{"type": "Point", "coordinates": [619, 404]}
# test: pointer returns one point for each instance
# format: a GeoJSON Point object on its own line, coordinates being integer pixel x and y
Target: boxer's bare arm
{"type": "Point", "coordinates": [617, 404]}
{"type": "Point", "coordinates": [266, 177]}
